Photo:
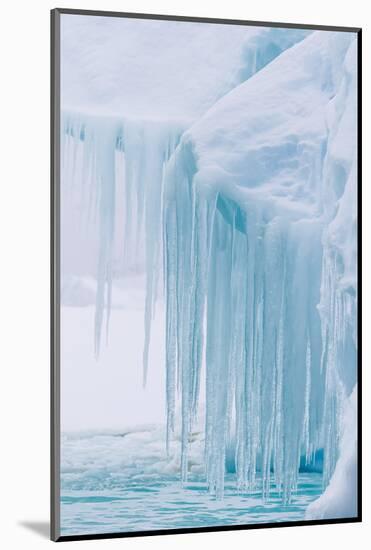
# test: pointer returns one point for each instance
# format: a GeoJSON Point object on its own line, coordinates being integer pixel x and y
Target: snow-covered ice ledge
{"type": "Point", "coordinates": [260, 226]}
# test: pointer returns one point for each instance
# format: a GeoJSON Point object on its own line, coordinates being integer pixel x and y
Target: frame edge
{"type": "Point", "coordinates": [212, 20]}
{"type": "Point", "coordinates": [54, 276]}
{"type": "Point", "coordinates": [359, 274]}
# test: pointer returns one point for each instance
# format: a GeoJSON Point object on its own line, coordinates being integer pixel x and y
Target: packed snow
{"type": "Point", "coordinates": [340, 497]}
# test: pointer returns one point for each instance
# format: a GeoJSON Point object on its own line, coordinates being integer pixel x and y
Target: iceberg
{"type": "Point", "coordinates": [243, 205]}
{"type": "Point", "coordinates": [257, 195]}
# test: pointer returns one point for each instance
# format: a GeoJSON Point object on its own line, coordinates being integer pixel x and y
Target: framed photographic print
{"type": "Point", "coordinates": [205, 274]}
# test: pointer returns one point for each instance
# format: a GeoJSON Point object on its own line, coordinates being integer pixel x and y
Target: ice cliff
{"type": "Point", "coordinates": [260, 217]}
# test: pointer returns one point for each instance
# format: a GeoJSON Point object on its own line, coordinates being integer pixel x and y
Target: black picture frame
{"type": "Point", "coordinates": [55, 273]}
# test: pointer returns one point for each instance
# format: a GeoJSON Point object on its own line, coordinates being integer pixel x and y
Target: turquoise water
{"type": "Point", "coordinates": [157, 502]}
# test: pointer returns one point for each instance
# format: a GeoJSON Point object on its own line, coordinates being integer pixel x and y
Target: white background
{"type": "Point", "coordinates": [24, 270]}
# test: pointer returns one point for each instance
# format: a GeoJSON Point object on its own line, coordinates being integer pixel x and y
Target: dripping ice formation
{"type": "Point", "coordinates": [248, 214]}
{"type": "Point", "coordinates": [146, 147]}
{"type": "Point", "coordinates": [260, 223]}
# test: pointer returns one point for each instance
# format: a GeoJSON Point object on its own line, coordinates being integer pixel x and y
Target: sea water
{"type": "Point", "coordinates": [103, 490]}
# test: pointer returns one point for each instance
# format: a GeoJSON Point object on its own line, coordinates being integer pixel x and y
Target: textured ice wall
{"type": "Point", "coordinates": [264, 46]}
{"type": "Point", "coordinates": [338, 305]}
{"type": "Point", "coordinates": [256, 200]}
{"type": "Point", "coordinates": [340, 497]}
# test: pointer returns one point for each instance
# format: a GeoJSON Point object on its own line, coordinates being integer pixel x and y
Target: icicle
{"type": "Point", "coordinates": [159, 142]}
{"type": "Point", "coordinates": [93, 143]}
{"type": "Point", "coordinates": [171, 308]}
{"type": "Point", "coordinates": [261, 285]}
{"type": "Point", "coordinates": [337, 310]}
{"type": "Point", "coordinates": [306, 434]}
{"type": "Point", "coordinates": [105, 143]}
{"type": "Point", "coordinates": [273, 259]}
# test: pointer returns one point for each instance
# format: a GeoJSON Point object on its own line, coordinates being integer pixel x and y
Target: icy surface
{"type": "Point", "coordinates": [264, 45]}
{"type": "Point", "coordinates": [340, 497]}
{"type": "Point", "coordinates": [119, 481]}
{"type": "Point", "coordinates": [256, 197]}
{"type": "Point", "coordinates": [227, 182]}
